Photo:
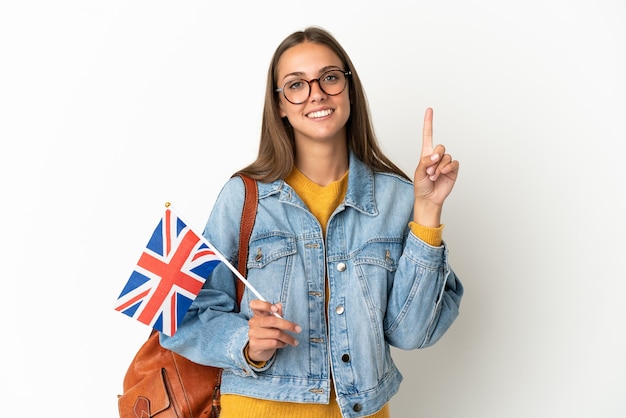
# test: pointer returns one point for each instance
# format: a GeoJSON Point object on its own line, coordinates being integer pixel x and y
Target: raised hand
{"type": "Point", "coordinates": [267, 332]}
{"type": "Point", "coordinates": [434, 177]}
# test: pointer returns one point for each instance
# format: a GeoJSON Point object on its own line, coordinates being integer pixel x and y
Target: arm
{"type": "Point", "coordinates": [213, 332]}
{"type": "Point", "coordinates": [434, 292]}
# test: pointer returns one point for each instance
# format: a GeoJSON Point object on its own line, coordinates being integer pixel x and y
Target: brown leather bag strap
{"type": "Point", "coordinates": [245, 230]}
{"type": "Point", "coordinates": [248, 215]}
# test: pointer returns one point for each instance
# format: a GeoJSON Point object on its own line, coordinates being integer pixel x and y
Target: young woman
{"type": "Point", "coordinates": [347, 248]}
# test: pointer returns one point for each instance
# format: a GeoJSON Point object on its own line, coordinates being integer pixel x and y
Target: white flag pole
{"type": "Point", "coordinates": [223, 259]}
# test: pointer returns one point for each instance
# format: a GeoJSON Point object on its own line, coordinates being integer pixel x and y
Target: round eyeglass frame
{"type": "Point", "coordinates": [347, 74]}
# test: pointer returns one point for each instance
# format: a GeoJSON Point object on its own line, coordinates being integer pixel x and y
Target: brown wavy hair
{"type": "Point", "coordinates": [276, 149]}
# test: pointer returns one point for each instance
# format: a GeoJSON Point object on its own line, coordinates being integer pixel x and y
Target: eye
{"type": "Point", "coordinates": [331, 77]}
{"type": "Point", "coordinates": [294, 85]}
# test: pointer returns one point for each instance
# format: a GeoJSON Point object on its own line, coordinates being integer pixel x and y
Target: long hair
{"type": "Point", "coordinates": [276, 149]}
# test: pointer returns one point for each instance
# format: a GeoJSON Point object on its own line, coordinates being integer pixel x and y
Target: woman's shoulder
{"type": "Point", "coordinates": [388, 179]}
{"type": "Point", "coordinates": [233, 190]}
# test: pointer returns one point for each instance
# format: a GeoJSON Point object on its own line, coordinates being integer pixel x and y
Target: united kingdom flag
{"type": "Point", "coordinates": [168, 276]}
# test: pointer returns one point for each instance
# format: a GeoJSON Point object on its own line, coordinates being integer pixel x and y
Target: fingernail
{"type": "Point", "coordinates": [274, 308]}
{"type": "Point", "coordinates": [434, 157]}
{"type": "Point", "coordinates": [298, 329]}
{"type": "Point", "coordinates": [433, 178]}
{"type": "Point", "coordinates": [430, 171]}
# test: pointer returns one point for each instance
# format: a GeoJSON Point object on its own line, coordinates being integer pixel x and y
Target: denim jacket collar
{"type": "Point", "coordinates": [360, 194]}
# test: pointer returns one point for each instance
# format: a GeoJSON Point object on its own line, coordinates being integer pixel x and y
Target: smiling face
{"type": "Point", "coordinates": [321, 117]}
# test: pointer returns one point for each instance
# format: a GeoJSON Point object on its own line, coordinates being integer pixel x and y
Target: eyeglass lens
{"type": "Point", "coordinates": [331, 82]}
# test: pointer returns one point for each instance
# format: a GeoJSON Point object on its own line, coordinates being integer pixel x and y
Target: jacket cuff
{"type": "Point", "coordinates": [243, 366]}
{"type": "Point", "coordinates": [255, 364]}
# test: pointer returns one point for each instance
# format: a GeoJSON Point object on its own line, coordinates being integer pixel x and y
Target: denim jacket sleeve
{"type": "Point", "coordinates": [201, 337]}
{"type": "Point", "coordinates": [425, 298]}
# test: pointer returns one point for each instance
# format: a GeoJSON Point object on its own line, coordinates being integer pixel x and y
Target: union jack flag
{"type": "Point", "coordinates": [168, 276]}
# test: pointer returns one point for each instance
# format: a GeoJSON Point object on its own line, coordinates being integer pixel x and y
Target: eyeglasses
{"type": "Point", "coordinates": [331, 82]}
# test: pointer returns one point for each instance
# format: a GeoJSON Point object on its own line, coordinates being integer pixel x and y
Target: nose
{"type": "Point", "coordinates": [316, 90]}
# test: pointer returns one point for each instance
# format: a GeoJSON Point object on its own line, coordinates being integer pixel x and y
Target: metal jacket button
{"type": "Point", "coordinates": [357, 407]}
{"type": "Point", "coordinates": [341, 266]}
{"type": "Point", "coordinates": [339, 309]}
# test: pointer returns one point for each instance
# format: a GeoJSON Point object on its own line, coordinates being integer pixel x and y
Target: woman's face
{"type": "Point", "coordinates": [320, 117]}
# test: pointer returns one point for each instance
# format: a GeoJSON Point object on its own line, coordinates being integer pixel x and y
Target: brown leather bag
{"type": "Point", "coordinates": [160, 383]}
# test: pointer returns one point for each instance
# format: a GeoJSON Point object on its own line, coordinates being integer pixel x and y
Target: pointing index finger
{"type": "Point", "coordinates": [427, 133]}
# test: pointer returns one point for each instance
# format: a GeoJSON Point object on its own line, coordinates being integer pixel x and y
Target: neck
{"type": "Point", "coordinates": [323, 164]}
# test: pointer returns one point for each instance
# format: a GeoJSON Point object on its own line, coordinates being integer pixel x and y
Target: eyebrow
{"type": "Point", "coordinates": [321, 71]}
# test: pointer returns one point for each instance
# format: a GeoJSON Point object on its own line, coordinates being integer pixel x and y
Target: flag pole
{"type": "Point", "coordinates": [225, 261]}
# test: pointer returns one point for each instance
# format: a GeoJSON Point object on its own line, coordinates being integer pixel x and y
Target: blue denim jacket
{"type": "Point", "coordinates": [386, 288]}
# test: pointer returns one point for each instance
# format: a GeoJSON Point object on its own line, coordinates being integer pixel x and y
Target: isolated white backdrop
{"type": "Point", "coordinates": [109, 109]}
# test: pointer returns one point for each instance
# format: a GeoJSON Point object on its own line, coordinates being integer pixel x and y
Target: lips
{"type": "Point", "coordinates": [320, 113]}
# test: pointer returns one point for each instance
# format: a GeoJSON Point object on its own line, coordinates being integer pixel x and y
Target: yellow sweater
{"type": "Point", "coordinates": [321, 201]}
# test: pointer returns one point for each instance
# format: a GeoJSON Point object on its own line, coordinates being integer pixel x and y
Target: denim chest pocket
{"type": "Point", "coordinates": [268, 248]}
{"type": "Point", "coordinates": [270, 259]}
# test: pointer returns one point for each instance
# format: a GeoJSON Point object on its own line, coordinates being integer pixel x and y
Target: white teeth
{"type": "Point", "coordinates": [320, 113]}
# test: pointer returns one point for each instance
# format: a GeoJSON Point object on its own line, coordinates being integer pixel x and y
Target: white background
{"type": "Point", "coordinates": [109, 109]}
